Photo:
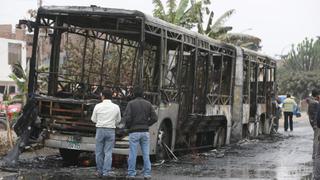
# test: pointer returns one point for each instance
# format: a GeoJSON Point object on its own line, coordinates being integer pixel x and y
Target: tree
{"type": "Point", "coordinates": [192, 16]}
{"type": "Point", "coordinates": [243, 40]}
{"type": "Point", "coordinates": [19, 76]}
{"type": "Point", "coordinates": [304, 57]}
{"type": "Point", "coordinates": [299, 84]}
{"type": "Point", "coordinates": [300, 73]}
{"type": "Point", "coordinates": [181, 14]}
{"type": "Point", "coordinates": [217, 29]}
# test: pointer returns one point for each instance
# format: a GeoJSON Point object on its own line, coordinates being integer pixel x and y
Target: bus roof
{"type": "Point", "coordinates": [100, 11]}
{"type": "Point", "coordinates": [95, 11]}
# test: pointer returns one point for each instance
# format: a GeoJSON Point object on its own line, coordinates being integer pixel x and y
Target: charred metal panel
{"type": "Point", "coordinates": [54, 59]}
{"type": "Point", "coordinates": [246, 113]}
{"type": "Point", "coordinates": [32, 64]}
{"type": "Point", "coordinates": [165, 112]}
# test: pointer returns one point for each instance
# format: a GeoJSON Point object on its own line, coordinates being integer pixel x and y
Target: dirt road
{"type": "Point", "coordinates": [286, 155]}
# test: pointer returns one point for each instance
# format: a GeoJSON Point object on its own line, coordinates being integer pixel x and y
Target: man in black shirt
{"type": "Point", "coordinates": [138, 116]}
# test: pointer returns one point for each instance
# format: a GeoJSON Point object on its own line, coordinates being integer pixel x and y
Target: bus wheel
{"type": "Point", "coordinates": [163, 142]}
{"type": "Point", "coordinates": [70, 156]}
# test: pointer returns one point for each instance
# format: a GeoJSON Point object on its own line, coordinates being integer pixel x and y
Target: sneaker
{"type": "Point", "coordinates": [98, 174]}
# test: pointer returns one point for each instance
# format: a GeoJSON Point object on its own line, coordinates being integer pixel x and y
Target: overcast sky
{"type": "Point", "coordinates": [279, 23]}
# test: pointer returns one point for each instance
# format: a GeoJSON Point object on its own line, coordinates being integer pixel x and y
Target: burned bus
{"type": "Point", "coordinates": [206, 93]}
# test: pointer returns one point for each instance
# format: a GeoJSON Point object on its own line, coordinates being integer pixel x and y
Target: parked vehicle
{"type": "Point", "coordinates": [9, 110]}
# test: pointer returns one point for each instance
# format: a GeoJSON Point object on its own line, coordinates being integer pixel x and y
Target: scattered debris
{"type": "Point", "coordinates": [247, 141]}
{"type": "Point", "coordinates": [213, 153]}
{"type": "Point", "coordinates": [174, 157]}
{"type": "Point", "coordinates": [159, 163]}
{"type": "Point", "coordinates": [249, 159]}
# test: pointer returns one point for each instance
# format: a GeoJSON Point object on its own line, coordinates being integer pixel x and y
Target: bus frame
{"type": "Point", "coordinates": [206, 93]}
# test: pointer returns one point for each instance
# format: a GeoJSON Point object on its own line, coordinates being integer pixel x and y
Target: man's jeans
{"type": "Point", "coordinates": [143, 139]}
{"type": "Point", "coordinates": [316, 161]}
{"type": "Point", "coordinates": [104, 145]}
{"type": "Point", "coordinates": [288, 117]}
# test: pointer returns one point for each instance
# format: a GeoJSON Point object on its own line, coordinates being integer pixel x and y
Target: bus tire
{"type": "Point", "coordinates": [163, 141]}
{"type": "Point", "coordinates": [70, 156]}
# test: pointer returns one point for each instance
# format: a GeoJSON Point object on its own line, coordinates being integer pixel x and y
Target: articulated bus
{"type": "Point", "coordinates": [206, 93]}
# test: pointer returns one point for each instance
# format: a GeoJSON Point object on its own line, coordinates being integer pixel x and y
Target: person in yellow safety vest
{"type": "Point", "coordinates": [288, 107]}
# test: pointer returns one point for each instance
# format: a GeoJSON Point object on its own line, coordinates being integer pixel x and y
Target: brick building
{"type": "Point", "coordinates": [6, 31]}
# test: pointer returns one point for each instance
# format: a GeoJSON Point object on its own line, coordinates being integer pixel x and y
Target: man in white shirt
{"type": "Point", "coordinates": [106, 115]}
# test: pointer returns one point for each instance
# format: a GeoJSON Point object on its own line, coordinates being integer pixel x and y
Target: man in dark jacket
{"type": "Point", "coordinates": [316, 165]}
{"type": "Point", "coordinates": [313, 102]}
{"type": "Point", "coordinates": [138, 116]}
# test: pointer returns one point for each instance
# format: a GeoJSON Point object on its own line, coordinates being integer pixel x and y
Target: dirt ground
{"type": "Point", "coordinates": [286, 155]}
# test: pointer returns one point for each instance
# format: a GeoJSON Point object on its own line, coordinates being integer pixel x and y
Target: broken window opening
{"type": "Point", "coordinates": [214, 79]}
{"type": "Point", "coordinates": [201, 83]}
{"type": "Point", "coordinates": [87, 65]}
{"type": "Point", "coordinates": [261, 98]}
{"type": "Point", "coordinates": [220, 80]}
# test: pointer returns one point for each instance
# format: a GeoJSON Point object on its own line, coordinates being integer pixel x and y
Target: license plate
{"type": "Point", "coordinates": [73, 142]}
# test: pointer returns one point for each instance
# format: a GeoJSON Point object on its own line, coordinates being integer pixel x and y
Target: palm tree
{"type": "Point", "coordinates": [243, 40]}
{"type": "Point", "coordinates": [19, 76]}
{"type": "Point", "coordinates": [217, 29]}
{"type": "Point", "coordinates": [193, 16]}
{"type": "Point", "coordinates": [181, 14]}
